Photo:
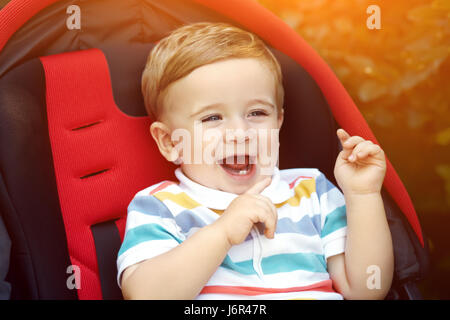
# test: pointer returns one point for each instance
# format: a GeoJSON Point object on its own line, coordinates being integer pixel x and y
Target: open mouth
{"type": "Point", "coordinates": [238, 166]}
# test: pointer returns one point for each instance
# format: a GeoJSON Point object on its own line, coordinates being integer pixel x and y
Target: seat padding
{"type": "Point", "coordinates": [101, 156]}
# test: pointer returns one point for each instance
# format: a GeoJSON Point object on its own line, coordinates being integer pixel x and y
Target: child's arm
{"type": "Point", "coordinates": [179, 273]}
{"type": "Point", "coordinates": [182, 272]}
{"type": "Point", "coordinates": [359, 171]}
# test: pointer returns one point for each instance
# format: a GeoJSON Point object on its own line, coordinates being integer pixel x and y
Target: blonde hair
{"type": "Point", "coordinates": [195, 45]}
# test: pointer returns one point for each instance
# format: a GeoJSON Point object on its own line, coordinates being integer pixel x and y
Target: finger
{"type": "Point", "coordinates": [270, 223]}
{"type": "Point", "coordinates": [271, 226]}
{"type": "Point", "coordinates": [358, 149]}
{"type": "Point", "coordinates": [258, 187]}
{"type": "Point", "coordinates": [348, 145]}
{"type": "Point", "coordinates": [371, 150]}
{"type": "Point", "coordinates": [269, 204]}
{"type": "Point", "coordinates": [262, 204]}
{"type": "Point", "coordinates": [352, 142]}
{"type": "Point", "coordinates": [342, 135]}
{"type": "Point", "coordinates": [265, 214]}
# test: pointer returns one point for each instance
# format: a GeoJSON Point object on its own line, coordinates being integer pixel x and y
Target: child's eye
{"type": "Point", "coordinates": [214, 117]}
{"type": "Point", "coordinates": [257, 113]}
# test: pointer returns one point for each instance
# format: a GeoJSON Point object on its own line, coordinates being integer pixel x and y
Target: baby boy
{"type": "Point", "coordinates": [235, 226]}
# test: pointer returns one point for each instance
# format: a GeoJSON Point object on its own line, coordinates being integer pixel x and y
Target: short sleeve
{"type": "Point", "coordinates": [333, 217]}
{"type": "Point", "coordinates": [150, 231]}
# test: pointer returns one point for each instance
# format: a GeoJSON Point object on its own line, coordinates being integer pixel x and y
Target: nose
{"type": "Point", "coordinates": [237, 131]}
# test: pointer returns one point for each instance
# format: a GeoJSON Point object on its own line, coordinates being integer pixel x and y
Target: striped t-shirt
{"type": "Point", "coordinates": [311, 227]}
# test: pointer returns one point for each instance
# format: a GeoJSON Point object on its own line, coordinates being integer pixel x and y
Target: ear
{"type": "Point", "coordinates": [280, 118]}
{"type": "Point", "coordinates": [161, 133]}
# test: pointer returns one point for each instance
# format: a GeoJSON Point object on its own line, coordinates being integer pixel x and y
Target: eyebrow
{"type": "Point", "coordinates": [260, 101]}
{"type": "Point", "coordinates": [202, 109]}
{"type": "Point", "coordinates": [217, 105]}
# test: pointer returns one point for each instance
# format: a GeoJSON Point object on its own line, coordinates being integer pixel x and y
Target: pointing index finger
{"type": "Point", "coordinates": [258, 187]}
{"type": "Point", "coordinates": [342, 135]}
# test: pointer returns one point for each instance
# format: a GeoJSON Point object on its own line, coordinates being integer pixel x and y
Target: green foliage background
{"type": "Point", "coordinates": [399, 77]}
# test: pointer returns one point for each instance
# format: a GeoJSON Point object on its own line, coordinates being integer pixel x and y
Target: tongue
{"type": "Point", "coordinates": [232, 163]}
{"type": "Point", "coordinates": [236, 166]}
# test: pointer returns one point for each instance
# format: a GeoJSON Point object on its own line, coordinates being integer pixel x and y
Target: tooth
{"type": "Point", "coordinates": [242, 172]}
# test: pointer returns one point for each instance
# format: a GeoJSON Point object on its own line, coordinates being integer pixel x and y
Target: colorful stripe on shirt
{"type": "Point", "coordinates": [311, 227]}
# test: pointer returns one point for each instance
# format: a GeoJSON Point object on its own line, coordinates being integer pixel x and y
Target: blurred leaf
{"type": "Point", "coordinates": [399, 77]}
{"type": "Point", "coordinates": [444, 172]}
{"type": "Point", "coordinates": [371, 90]}
{"type": "Point", "coordinates": [443, 137]}
{"type": "Point", "coordinates": [441, 4]}
{"type": "Point", "coordinates": [428, 15]}
{"type": "Point", "coordinates": [292, 19]}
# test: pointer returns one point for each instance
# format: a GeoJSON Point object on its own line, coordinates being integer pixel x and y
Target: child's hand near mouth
{"type": "Point", "coordinates": [247, 210]}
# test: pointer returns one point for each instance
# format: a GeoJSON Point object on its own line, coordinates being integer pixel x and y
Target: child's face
{"type": "Point", "coordinates": [215, 101]}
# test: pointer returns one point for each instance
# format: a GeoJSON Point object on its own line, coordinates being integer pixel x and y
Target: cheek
{"type": "Point", "coordinates": [268, 148]}
{"type": "Point", "coordinates": [212, 146]}
{"type": "Point", "coordinates": [198, 145]}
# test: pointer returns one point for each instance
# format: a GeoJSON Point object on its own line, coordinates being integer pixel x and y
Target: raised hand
{"type": "Point", "coordinates": [361, 165]}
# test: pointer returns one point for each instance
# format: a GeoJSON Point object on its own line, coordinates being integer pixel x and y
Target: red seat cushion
{"type": "Point", "coordinates": [101, 156]}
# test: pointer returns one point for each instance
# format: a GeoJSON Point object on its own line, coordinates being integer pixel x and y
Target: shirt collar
{"type": "Point", "coordinates": [278, 191]}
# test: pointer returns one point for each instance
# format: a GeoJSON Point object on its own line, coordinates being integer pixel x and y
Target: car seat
{"type": "Point", "coordinates": [75, 144]}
